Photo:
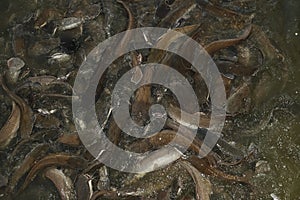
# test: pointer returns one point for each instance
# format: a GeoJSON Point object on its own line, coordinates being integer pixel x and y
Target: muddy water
{"type": "Point", "coordinates": [279, 142]}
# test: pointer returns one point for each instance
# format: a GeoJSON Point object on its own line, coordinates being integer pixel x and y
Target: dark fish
{"type": "Point", "coordinates": [221, 44]}
{"type": "Point", "coordinates": [203, 165]}
{"type": "Point", "coordinates": [130, 16]}
{"type": "Point", "coordinates": [178, 10]}
{"type": "Point", "coordinates": [61, 159]}
{"type": "Point", "coordinates": [70, 139]}
{"type": "Point", "coordinates": [63, 184]}
{"type": "Point", "coordinates": [3, 181]}
{"type": "Point", "coordinates": [203, 186]}
{"type": "Point", "coordinates": [11, 126]}
{"type": "Point", "coordinates": [27, 116]}
{"type": "Point", "coordinates": [222, 12]}
{"type": "Point", "coordinates": [26, 165]}
{"type": "Point", "coordinates": [82, 187]}
{"type": "Point", "coordinates": [104, 193]}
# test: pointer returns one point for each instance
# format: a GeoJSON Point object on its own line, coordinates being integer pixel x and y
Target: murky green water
{"type": "Point", "coordinates": [279, 142]}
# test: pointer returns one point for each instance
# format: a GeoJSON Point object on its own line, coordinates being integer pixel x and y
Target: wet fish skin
{"type": "Point", "coordinates": [62, 183]}
{"type": "Point", "coordinates": [82, 187]}
{"type": "Point", "coordinates": [203, 186]}
{"type": "Point", "coordinates": [180, 8]}
{"type": "Point", "coordinates": [27, 163]}
{"type": "Point", "coordinates": [27, 116]}
{"type": "Point", "coordinates": [60, 159]}
{"type": "Point", "coordinates": [11, 126]}
{"type": "Point", "coordinates": [203, 165]}
{"type": "Point", "coordinates": [221, 44]}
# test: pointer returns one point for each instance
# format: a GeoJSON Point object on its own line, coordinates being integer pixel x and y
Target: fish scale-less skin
{"type": "Point", "coordinates": [27, 163]}
{"type": "Point", "coordinates": [11, 126]}
{"type": "Point", "coordinates": [65, 160]}
{"type": "Point", "coordinates": [27, 116]}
